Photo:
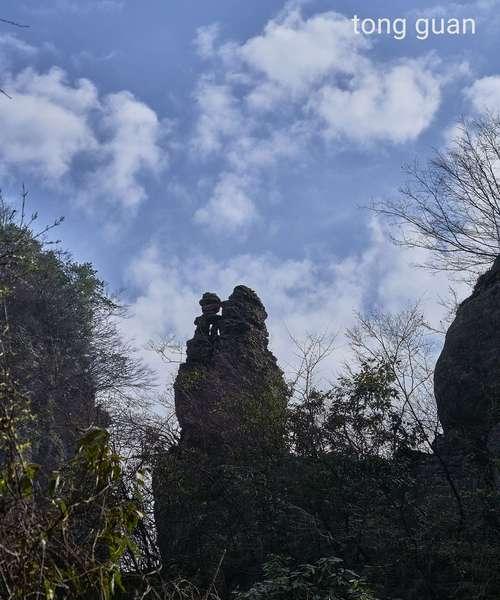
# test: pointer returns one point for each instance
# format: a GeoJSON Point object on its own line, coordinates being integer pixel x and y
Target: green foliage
{"type": "Point", "coordinates": [261, 422]}
{"type": "Point", "coordinates": [326, 579]}
{"type": "Point", "coordinates": [366, 417]}
{"type": "Point", "coordinates": [64, 349]}
{"type": "Point", "coordinates": [66, 522]}
{"type": "Point", "coordinates": [359, 417]}
{"type": "Point", "coordinates": [65, 539]}
{"type": "Point", "coordinates": [207, 506]}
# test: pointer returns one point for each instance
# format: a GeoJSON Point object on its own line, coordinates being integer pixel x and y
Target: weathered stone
{"type": "Point", "coordinates": [467, 375]}
{"type": "Point", "coordinates": [230, 376]}
{"type": "Point", "coordinates": [210, 303]}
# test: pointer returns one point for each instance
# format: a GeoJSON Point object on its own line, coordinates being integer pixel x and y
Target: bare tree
{"type": "Point", "coordinates": [14, 23]}
{"type": "Point", "coordinates": [169, 348]}
{"type": "Point", "coordinates": [139, 435]}
{"type": "Point", "coordinates": [403, 340]}
{"type": "Point", "coordinates": [143, 429]}
{"type": "Point", "coordinates": [310, 354]}
{"type": "Point", "coordinates": [451, 206]}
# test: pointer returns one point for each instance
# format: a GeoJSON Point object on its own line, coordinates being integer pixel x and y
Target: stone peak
{"type": "Point", "coordinates": [224, 323]}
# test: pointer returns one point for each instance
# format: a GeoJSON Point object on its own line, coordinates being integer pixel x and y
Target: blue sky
{"type": "Point", "coordinates": [197, 145]}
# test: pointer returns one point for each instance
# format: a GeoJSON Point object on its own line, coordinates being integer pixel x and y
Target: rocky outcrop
{"type": "Point", "coordinates": [215, 491]}
{"type": "Point", "coordinates": [230, 388]}
{"type": "Point", "coordinates": [467, 375]}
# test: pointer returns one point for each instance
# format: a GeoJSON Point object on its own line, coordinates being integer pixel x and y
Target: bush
{"type": "Point", "coordinates": [326, 579]}
{"type": "Point", "coordinates": [65, 536]}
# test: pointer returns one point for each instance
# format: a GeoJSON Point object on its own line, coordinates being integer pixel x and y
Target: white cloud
{"type": "Point", "coordinates": [51, 123]}
{"type": "Point", "coordinates": [305, 81]}
{"type": "Point", "coordinates": [394, 105]}
{"type": "Point", "coordinates": [230, 208]}
{"type": "Point", "coordinates": [484, 94]}
{"type": "Point", "coordinates": [10, 43]}
{"type": "Point", "coordinates": [219, 118]}
{"type": "Point", "coordinates": [205, 40]}
{"type": "Point", "coordinates": [45, 125]}
{"type": "Point", "coordinates": [315, 67]}
{"type": "Point", "coordinates": [131, 147]}
{"type": "Point", "coordinates": [296, 53]}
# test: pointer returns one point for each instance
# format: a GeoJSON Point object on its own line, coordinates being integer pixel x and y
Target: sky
{"type": "Point", "coordinates": [196, 145]}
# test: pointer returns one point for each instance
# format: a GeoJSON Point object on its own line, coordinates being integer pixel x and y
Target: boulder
{"type": "Point", "coordinates": [467, 375]}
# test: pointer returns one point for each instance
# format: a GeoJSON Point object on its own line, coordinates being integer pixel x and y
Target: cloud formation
{"type": "Point", "coordinates": [303, 81]}
{"type": "Point", "coordinates": [130, 146]}
{"type": "Point", "coordinates": [296, 53]}
{"type": "Point", "coordinates": [484, 94]}
{"type": "Point", "coordinates": [395, 105]}
{"type": "Point", "coordinates": [230, 206]}
{"type": "Point", "coordinates": [51, 123]}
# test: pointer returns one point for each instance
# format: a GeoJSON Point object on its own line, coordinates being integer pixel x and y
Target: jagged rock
{"type": "Point", "coordinates": [467, 375]}
{"type": "Point", "coordinates": [230, 380]}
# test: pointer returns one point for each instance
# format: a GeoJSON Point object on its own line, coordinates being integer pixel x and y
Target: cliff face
{"type": "Point", "coordinates": [467, 375]}
{"type": "Point", "coordinates": [230, 389]}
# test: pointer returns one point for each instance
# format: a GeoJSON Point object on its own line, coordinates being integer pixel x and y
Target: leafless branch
{"type": "Point", "coordinates": [451, 206]}
{"type": "Point", "coordinates": [14, 23]}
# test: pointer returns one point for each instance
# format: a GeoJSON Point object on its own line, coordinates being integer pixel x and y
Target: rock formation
{"type": "Point", "coordinates": [467, 375]}
{"type": "Point", "coordinates": [228, 496]}
{"type": "Point", "coordinates": [230, 401]}
{"type": "Point", "coordinates": [230, 381]}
